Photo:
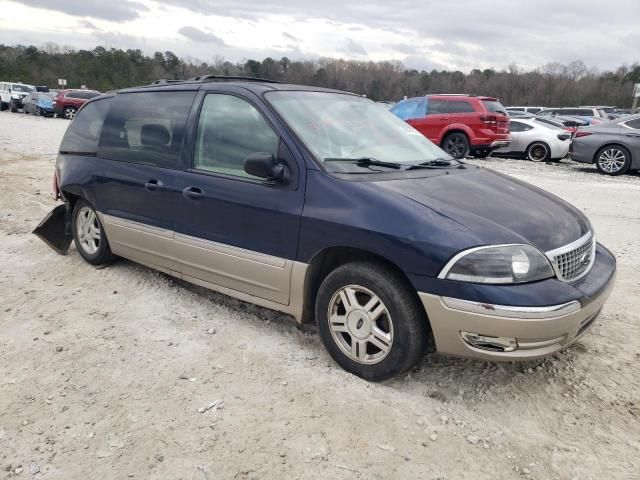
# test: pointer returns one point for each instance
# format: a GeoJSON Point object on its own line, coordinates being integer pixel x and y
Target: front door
{"type": "Point", "coordinates": [435, 121]}
{"type": "Point", "coordinates": [233, 230]}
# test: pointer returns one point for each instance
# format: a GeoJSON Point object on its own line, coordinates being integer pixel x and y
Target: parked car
{"type": "Point", "coordinates": [570, 124]}
{"type": "Point", "coordinates": [531, 110]}
{"type": "Point", "coordinates": [67, 102]}
{"type": "Point", "coordinates": [573, 112]}
{"type": "Point", "coordinates": [613, 146]}
{"type": "Point", "coordinates": [460, 124]}
{"type": "Point", "coordinates": [322, 205]}
{"type": "Point", "coordinates": [604, 108]}
{"type": "Point", "coordinates": [12, 95]}
{"type": "Point", "coordinates": [40, 104]}
{"type": "Point", "coordinates": [536, 141]}
{"type": "Point", "coordinates": [516, 113]}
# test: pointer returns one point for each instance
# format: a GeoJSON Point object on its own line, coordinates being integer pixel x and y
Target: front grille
{"type": "Point", "coordinates": [574, 260]}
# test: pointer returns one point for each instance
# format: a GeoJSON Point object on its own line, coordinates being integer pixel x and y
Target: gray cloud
{"type": "Point", "coordinates": [201, 36]}
{"type": "Point", "coordinates": [115, 11]}
{"type": "Point", "coordinates": [293, 38]}
{"type": "Point", "coordinates": [464, 34]}
{"type": "Point", "coordinates": [353, 48]}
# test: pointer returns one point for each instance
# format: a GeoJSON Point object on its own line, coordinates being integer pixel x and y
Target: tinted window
{"type": "Point", "coordinates": [229, 130]}
{"type": "Point", "coordinates": [146, 127]}
{"type": "Point", "coordinates": [460, 106]}
{"type": "Point", "coordinates": [84, 131]}
{"type": "Point", "coordinates": [533, 110]}
{"type": "Point", "coordinates": [437, 107]}
{"type": "Point", "coordinates": [633, 123]}
{"type": "Point", "coordinates": [519, 126]}
{"type": "Point", "coordinates": [583, 112]}
{"type": "Point", "coordinates": [494, 106]}
{"type": "Point", "coordinates": [411, 108]}
{"type": "Point", "coordinates": [515, 109]}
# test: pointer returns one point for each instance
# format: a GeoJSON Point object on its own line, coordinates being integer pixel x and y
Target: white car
{"type": "Point", "coordinates": [538, 142]}
{"type": "Point", "coordinates": [524, 110]}
{"type": "Point", "coordinates": [12, 95]}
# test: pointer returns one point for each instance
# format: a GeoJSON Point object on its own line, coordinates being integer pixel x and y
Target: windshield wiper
{"type": "Point", "coordinates": [436, 163]}
{"type": "Point", "coordinates": [364, 162]}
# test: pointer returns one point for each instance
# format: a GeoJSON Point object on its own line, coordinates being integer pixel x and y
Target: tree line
{"type": "Point", "coordinates": [104, 69]}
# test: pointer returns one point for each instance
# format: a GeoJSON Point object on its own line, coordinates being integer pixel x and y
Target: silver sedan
{"type": "Point", "coordinates": [613, 146]}
{"type": "Point", "coordinates": [536, 141]}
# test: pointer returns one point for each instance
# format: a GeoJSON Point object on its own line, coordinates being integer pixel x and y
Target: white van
{"type": "Point", "coordinates": [12, 95]}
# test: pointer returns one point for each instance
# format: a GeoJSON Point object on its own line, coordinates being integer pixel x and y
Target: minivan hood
{"type": "Point", "coordinates": [496, 208]}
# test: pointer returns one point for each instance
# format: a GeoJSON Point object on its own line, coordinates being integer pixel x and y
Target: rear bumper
{"type": "Point", "coordinates": [507, 333]}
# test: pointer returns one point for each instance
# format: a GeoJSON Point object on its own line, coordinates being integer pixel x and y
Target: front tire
{"type": "Point", "coordinates": [13, 107]}
{"type": "Point", "coordinates": [538, 152]}
{"type": "Point", "coordinates": [457, 145]}
{"type": "Point", "coordinates": [613, 160]}
{"type": "Point", "coordinates": [88, 234]}
{"type": "Point", "coordinates": [370, 321]}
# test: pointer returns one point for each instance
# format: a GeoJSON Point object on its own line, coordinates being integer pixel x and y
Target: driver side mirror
{"type": "Point", "coordinates": [264, 165]}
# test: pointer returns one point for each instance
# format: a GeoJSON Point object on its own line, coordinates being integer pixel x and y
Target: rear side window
{"type": "Point", "coordinates": [146, 128]}
{"type": "Point", "coordinates": [494, 106]}
{"type": "Point", "coordinates": [83, 133]}
{"type": "Point", "coordinates": [459, 106]}
{"type": "Point", "coordinates": [408, 109]}
{"type": "Point", "coordinates": [533, 110]}
{"type": "Point", "coordinates": [633, 123]}
{"type": "Point", "coordinates": [519, 126]}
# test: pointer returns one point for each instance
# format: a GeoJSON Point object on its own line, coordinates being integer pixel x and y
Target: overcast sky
{"type": "Point", "coordinates": [424, 34]}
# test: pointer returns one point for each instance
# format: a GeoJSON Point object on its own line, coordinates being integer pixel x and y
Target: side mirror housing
{"type": "Point", "coordinates": [264, 165]}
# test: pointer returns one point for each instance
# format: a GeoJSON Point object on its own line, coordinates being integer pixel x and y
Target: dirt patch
{"type": "Point", "coordinates": [127, 373]}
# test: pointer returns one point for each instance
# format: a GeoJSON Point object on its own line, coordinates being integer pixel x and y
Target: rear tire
{"type": "Point", "coordinates": [538, 152]}
{"type": "Point", "coordinates": [370, 321]}
{"type": "Point", "coordinates": [457, 145]}
{"type": "Point", "coordinates": [88, 234]}
{"type": "Point", "coordinates": [613, 160]}
{"type": "Point", "coordinates": [481, 153]}
{"type": "Point", "coordinates": [69, 113]}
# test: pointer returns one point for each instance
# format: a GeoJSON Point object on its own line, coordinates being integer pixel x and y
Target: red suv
{"type": "Point", "coordinates": [461, 124]}
{"type": "Point", "coordinates": [67, 102]}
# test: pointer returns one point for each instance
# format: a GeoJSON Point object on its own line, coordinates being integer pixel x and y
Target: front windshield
{"type": "Point", "coordinates": [22, 88]}
{"type": "Point", "coordinates": [337, 126]}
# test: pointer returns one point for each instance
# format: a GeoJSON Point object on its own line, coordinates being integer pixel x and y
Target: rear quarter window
{"type": "Point", "coordinates": [494, 106]}
{"type": "Point", "coordinates": [146, 128]}
{"type": "Point", "coordinates": [83, 133]}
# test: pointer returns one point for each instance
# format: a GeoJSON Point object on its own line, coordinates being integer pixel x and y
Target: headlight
{"type": "Point", "coordinates": [500, 264]}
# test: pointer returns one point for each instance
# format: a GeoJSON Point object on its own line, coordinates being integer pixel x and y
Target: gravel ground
{"type": "Point", "coordinates": [124, 372]}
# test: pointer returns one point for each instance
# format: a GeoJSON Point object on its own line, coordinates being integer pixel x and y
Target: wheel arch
{"type": "Point", "coordinates": [457, 128]}
{"type": "Point", "coordinates": [328, 259]}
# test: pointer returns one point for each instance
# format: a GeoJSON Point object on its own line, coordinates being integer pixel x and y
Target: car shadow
{"type": "Point", "coordinates": [443, 376]}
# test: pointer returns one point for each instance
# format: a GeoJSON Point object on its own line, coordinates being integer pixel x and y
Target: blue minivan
{"type": "Point", "coordinates": [320, 204]}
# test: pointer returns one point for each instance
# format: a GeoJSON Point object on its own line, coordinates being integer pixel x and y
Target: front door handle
{"type": "Point", "coordinates": [153, 185]}
{"type": "Point", "coordinates": [193, 193]}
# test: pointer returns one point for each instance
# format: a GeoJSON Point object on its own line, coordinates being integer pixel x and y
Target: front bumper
{"type": "Point", "coordinates": [500, 332]}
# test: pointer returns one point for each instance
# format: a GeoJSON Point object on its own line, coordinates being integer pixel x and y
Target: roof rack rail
{"type": "Point", "coordinates": [213, 78]}
{"type": "Point", "coordinates": [453, 94]}
{"type": "Point", "coordinates": [163, 81]}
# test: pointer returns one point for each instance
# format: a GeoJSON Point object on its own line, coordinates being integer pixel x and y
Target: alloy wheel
{"type": "Point", "coordinates": [69, 113]}
{"type": "Point", "coordinates": [88, 230]}
{"type": "Point", "coordinates": [612, 160]}
{"type": "Point", "coordinates": [360, 324]}
{"type": "Point", "coordinates": [456, 146]}
{"type": "Point", "coordinates": [538, 152]}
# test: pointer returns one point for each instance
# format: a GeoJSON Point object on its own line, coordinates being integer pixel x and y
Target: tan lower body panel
{"type": "Point", "coordinates": [268, 281]}
{"type": "Point", "coordinates": [535, 337]}
{"type": "Point", "coordinates": [142, 243]}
